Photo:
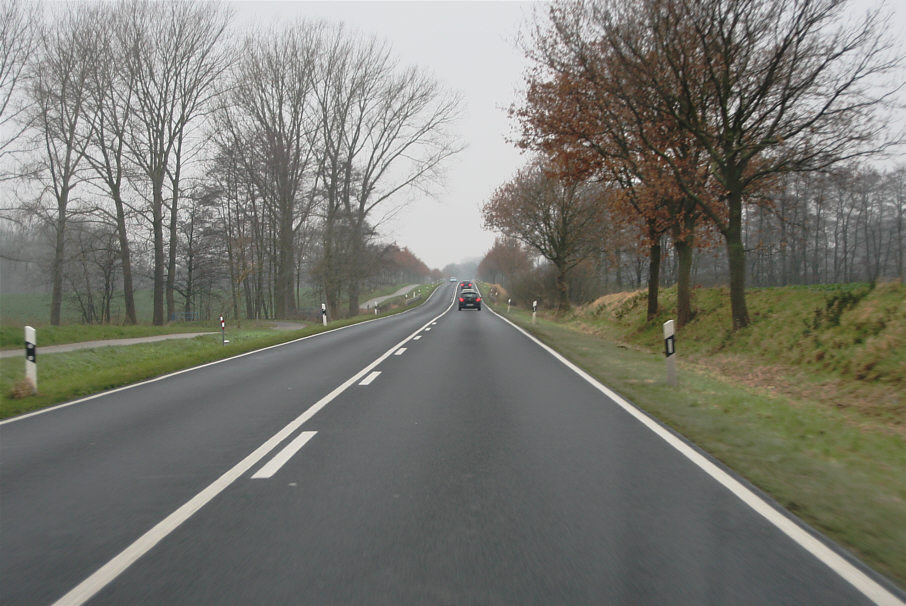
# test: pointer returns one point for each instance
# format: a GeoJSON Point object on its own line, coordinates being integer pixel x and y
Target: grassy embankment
{"type": "Point", "coordinates": [808, 403]}
{"type": "Point", "coordinates": [66, 376]}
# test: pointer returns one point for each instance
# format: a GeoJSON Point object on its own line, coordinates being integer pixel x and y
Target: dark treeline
{"type": "Point", "coordinates": [845, 226]}
{"type": "Point", "coordinates": [160, 145]}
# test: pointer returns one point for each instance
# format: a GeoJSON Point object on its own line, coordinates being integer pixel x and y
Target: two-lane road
{"type": "Point", "coordinates": [436, 457]}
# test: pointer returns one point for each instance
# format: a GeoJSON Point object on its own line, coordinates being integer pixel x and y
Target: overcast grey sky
{"type": "Point", "coordinates": [469, 46]}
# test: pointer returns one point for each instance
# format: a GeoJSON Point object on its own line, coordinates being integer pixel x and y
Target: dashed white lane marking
{"type": "Point", "coordinates": [104, 575]}
{"type": "Point", "coordinates": [416, 338]}
{"type": "Point", "coordinates": [194, 368]}
{"type": "Point", "coordinates": [274, 465]}
{"type": "Point", "coordinates": [400, 351]}
{"type": "Point", "coordinates": [367, 380]}
{"type": "Point", "coordinates": [428, 329]}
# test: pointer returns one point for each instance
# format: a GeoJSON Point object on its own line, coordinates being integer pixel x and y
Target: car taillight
{"type": "Point", "coordinates": [461, 300]}
{"type": "Point", "coordinates": [478, 300]}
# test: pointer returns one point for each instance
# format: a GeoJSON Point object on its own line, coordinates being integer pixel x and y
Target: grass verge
{"type": "Point", "coordinates": [67, 376]}
{"type": "Point", "coordinates": [846, 479]}
{"type": "Point", "coordinates": [12, 337]}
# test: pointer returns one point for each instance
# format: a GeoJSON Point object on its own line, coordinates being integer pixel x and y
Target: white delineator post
{"type": "Point", "coordinates": [31, 358]}
{"type": "Point", "coordinates": [508, 301]}
{"type": "Point", "coordinates": [324, 314]}
{"type": "Point", "coordinates": [534, 310]}
{"type": "Point", "coordinates": [670, 351]}
{"type": "Point", "coordinates": [223, 340]}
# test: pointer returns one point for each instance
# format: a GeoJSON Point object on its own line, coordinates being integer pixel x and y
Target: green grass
{"type": "Point", "coordinates": [12, 337]}
{"type": "Point", "coordinates": [67, 376]}
{"type": "Point", "coordinates": [838, 467]}
{"type": "Point", "coordinates": [33, 309]}
{"type": "Point", "coordinates": [854, 331]}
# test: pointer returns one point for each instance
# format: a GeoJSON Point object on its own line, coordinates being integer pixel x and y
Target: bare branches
{"type": "Point", "coordinates": [316, 127]}
{"type": "Point", "coordinates": [18, 40]}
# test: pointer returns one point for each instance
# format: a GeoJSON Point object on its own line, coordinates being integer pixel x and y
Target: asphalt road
{"type": "Point", "coordinates": [475, 468]}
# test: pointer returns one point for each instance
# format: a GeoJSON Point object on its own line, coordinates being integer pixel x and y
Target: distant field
{"type": "Point", "coordinates": [808, 403]}
{"type": "Point", "coordinates": [33, 309]}
{"type": "Point", "coordinates": [65, 376]}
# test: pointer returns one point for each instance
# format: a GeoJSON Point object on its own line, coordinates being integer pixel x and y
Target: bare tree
{"type": "Point", "coordinates": [271, 118]}
{"type": "Point", "coordinates": [347, 78]}
{"type": "Point", "coordinates": [408, 139]}
{"type": "Point", "coordinates": [59, 90]}
{"type": "Point", "coordinates": [111, 97]}
{"type": "Point", "coordinates": [18, 39]}
{"type": "Point", "coordinates": [383, 130]}
{"type": "Point", "coordinates": [175, 54]}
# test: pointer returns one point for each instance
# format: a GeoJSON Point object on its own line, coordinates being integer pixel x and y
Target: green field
{"type": "Point", "coordinates": [67, 376]}
{"type": "Point", "coordinates": [33, 309]}
{"type": "Point", "coordinates": [808, 403]}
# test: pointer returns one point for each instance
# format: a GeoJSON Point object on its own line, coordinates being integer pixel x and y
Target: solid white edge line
{"type": "Point", "coordinates": [194, 368]}
{"type": "Point", "coordinates": [870, 588]}
{"type": "Point", "coordinates": [367, 380]}
{"type": "Point", "coordinates": [85, 590]}
{"type": "Point", "coordinates": [281, 458]}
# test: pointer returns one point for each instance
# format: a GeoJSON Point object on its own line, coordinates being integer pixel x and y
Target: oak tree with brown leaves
{"type": "Point", "coordinates": [558, 219]}
{"type": "Point", "coordinates": [574, 113]}
{"type": "Point", "coordinates": [761, 87]}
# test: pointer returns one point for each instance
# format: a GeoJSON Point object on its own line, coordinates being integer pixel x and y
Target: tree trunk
{"type": "Point", "coordinates": [171, 260]}
{"type": "Point", "coordinates": [736, 258]}
{"type": "Point", "coordinates": [654, 278]}
{"type": "Point", "coordinates": [356, 248]}
{"type": "Point", "coordinates": [56, 298]}
{"type": "Point", "coordinates": [684, 250]}
{"type": "Point", "coordinates": [159, 259]}
{"type": "Point", "coordinates": [901, 204]}
{"type": "Point", "coordinates": [330, 277]}
{"type": "Point", "coordinates": [562, 291]}
{"type": "Point", "coordinates": [125, 259]}
{"type": "Point", "coordinates": [684, 242]}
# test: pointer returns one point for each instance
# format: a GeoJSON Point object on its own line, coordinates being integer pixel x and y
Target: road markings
{"type": "Point", "coordinates": [201, 366]}
{"type": "Point", "coordinates": [367, 380]}
{"type": "Point", "coordinates": [107, 573]}
{"type": "Point", "coordinates": [416, 338]}
{"type": "Point", "coordinates": [428, 329]}
{"type": "Point", "coordinates": [274, 465]}
{"type": "Point", "coordinates": [870, 588]}
{"type": "Point", "coordinates": [400, 351]}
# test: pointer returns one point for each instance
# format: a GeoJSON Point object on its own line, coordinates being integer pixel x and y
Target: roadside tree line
{"type": "Point", "coordinates": [166, 137]}
{"type": "Point", "coordinates": [709, 129]}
